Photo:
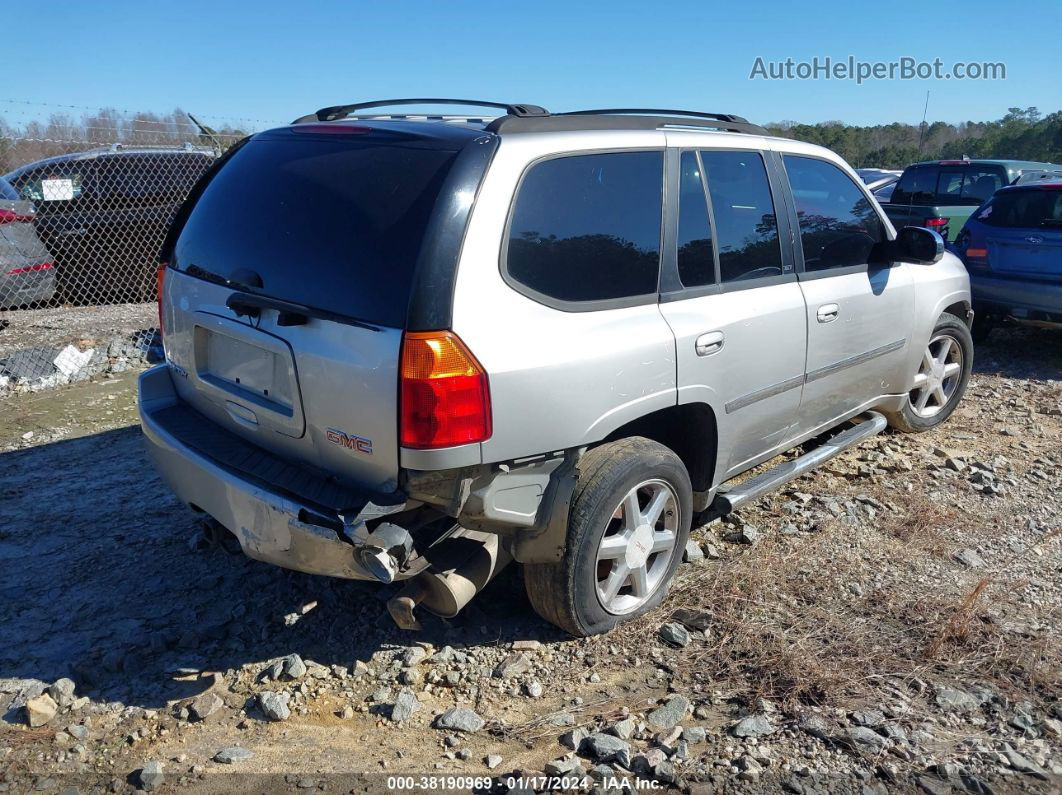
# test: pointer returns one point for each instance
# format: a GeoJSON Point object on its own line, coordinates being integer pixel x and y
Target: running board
{"type": "Point", "coordinates": [870, 424]}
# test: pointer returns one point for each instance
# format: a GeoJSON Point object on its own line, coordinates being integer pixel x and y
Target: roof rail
{"type": "Point", "coordinates": [334, 112]}
{"type": "Point", "coordinates": [625, 119]}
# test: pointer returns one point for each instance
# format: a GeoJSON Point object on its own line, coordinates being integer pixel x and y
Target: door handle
{"type": "Point", "coordinates": [827, 313]}
{"type": "Point", "coordinates": [709, 343]}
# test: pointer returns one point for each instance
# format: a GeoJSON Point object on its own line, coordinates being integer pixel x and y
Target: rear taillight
{"type": "Point", "coordinates": [977, 253]}
{"type": "Point", "coordinates": [936, 224]}
{"type": "Point", "coordinates": [44, 266]}
{"type": "Point", "coordinates": [11, 217]}
{"type": "Point", "coordinates": [160, 278]}
{"type": "Point", "coordinates": [445, 397]}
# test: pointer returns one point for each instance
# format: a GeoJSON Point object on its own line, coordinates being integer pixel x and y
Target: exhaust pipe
{"type": "Point", "coordinates": [461, 567]}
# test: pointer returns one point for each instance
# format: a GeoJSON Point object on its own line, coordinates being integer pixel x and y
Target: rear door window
{"type": "Point", "coordinates": [696, 255]}
{"type": "Point", "coordinates": [587, 227]}
{"type": "Point", "coordinates": [327, 220]}
{"type": "Point", "coordinates": [838, 225]}
{"type": "Point", "coordinates": [949, 184]}
{"type": "Point", "coordinates": [917, 185]}
{"type": "Point", "coordinates": [746, 227]}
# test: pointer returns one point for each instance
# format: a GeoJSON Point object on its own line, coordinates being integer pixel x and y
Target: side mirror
{"type": "Point", "coordinates": [917, 245]}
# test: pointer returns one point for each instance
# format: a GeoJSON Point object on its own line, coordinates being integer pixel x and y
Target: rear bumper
{"type": "Point", "coordinates": [268, 522]}
{"type": "Point", "coordinates": [19, 289]}
{"type": "Point", "coordinates": [1010, 294]}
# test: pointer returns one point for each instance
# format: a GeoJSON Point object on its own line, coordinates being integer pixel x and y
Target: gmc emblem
{"type": "Point", "coordinates": [359, 443]}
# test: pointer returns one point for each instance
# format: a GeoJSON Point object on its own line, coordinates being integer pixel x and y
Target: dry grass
{"type": "Point", "coordinates": [834, 617]}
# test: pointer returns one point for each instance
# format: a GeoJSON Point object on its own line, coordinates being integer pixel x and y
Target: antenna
{"type": "Point", "coordinates": [922, 127]}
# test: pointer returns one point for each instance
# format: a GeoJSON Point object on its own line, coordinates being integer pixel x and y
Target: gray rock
{"type": "Point", "coordinates": [694, 735]}
{"type": "Point", "coordinates": [746, 535]}
{"type": "Point", "coordinates": [868, 717]}
{"type": "Point", "coordinates": [862, 739]}
{"type": "Point", "coordinates": [932, 785]}
{"type": "Point", "coordinates": [563, 767]}
{"type": "Point", "coordinates": [1024, 765]}
{"type": "Point", "coordinates": [950, 699]}
{"type": "Point", "coordinates": [753, 726]}
{"type": "Point", "coordinates": [815, 725]}
{"type": "Point", "coordinates": [62, 692]}
{"type": "Point", "coordinates": [625, 728]}
{"type": "Point", "coordinates": [969, 558]}
{"type": "Point", "coordinates": [413, 656]}
{"type": "Point", "coordinates": [492, 761]}
{"type": "Point", "coordinates": [405, 705]}
{"type": "Point", "coordinates": [693, 552]}
{"type": "Point", "coordinates": [604, 747]}
{"type": "Point", "coordinates": [693, 619]}
{"type": "Point", "coordinates": [560, 719]}
{"type": "Point", "coordinates": [293, 667]}
{"type": "Point", "coordinates": [574, 738]}
{"type": "Point", "coordinates": [231, 755]}
{"type": "Point", "coordinates": [40, 710]}
{"type": "Point", "coordinates": [459, 719]}
{"type": "Point", "coordinates": [150, 776]}
{"type": "Point", "coordinates": [205, 704]}
{"type": "Point", "coordinates": [274, 705]}
{"type": "Point", "coordinates": [669, 714]}
{"type": "Point", "coordinates": [674, 634]}
{"type": "Point", "coordinates": [513, 665]}
{"type": "Point", "coordinates": [533, 689]}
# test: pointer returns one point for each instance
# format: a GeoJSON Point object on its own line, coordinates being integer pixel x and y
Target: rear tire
{"type": "Point", "coordinates": [619, 560]}
{"type": "Point", "coordinates": [941, 379]}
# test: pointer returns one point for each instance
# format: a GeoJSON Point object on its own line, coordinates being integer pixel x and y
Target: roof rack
{"type": "Point", "coordinates": [521, 117]}
{"type": "Point", "coordinates": [512, 110]}
{"type": "Point", "coordinates": [625, 119]}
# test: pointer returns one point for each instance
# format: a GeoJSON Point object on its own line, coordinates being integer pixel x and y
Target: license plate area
{"type": "Point", "coordinates": [257, 375]}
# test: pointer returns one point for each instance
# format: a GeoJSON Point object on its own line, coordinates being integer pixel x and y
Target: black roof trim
{"type": "Point", "coordinates": [515, 110]}
{"type": "Point", "coordinates": [624, 119]}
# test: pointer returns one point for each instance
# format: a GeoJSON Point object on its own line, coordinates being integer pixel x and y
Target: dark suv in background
{"type": "Point", "coordinates": [104, 213]}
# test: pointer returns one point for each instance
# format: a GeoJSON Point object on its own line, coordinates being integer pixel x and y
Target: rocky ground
{"type": "Point", "coordinates": [892, 622]}
{"type": "Point", "coordinates": [50, 347]}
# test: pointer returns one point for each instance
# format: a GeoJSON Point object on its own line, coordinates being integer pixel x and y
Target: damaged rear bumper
{"type": "Point", "coordinates": [271, 523]}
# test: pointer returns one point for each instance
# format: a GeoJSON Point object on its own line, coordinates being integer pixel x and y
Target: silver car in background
{"type": "Point", "coordinates": [27, 271]}
{"type": "Point", "coordinates": [417, 348]}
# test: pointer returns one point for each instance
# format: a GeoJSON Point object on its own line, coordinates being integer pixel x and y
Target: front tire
{"type": "Point", "coordinates": [941, 379]}
{"type": "Point", "coordinates": [629, 522]}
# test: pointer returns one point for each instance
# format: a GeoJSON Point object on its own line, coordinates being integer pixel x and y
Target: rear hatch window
{"type": "Point", "coordinates": [1024, 209]}
{"type": "Point", "coordinates": [949, 185]}
{"type": "Point", "coordinates": [331, 220]}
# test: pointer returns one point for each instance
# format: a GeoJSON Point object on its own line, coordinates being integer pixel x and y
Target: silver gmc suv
{"type": "Point", "coordinates": [416, 347]}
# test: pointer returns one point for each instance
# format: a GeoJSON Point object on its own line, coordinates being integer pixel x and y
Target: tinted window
{"type": "Point", "coordinates": [6, 191]}
{"type": "Point", "coordinates": [917, 185]}
{"type": "Point", "coordinates": [696, 260]}
{"type": "Point", "coordinates": [1024, 209]}
{"type": "Point", "coordinates": [838, 225]}
{"type": "Point", "coordinates": [746, 229]}
{"type": "Point", "coordinates": [332, 221]}
{"type": "Point", "coordinates": [587, 227]}
{"type": "Point", "coordinates": [956, 185]}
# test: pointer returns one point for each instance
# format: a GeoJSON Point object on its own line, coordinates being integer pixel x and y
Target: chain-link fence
{"type": "Point", "coordinates": [84, 207]}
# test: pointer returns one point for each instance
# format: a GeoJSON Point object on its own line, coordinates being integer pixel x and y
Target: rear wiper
{"type": "Point", "coordinates": [216, 278]}
{"type": "Point", "coordinates": [1052, 222]}
{"type": "Point", "coordinates": [291, 313]}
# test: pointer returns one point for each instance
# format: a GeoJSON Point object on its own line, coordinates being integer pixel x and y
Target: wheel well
{"type": "Point", "coordinates": [960, 310]}
{"type": "Point", "coordinates": [689, 430]}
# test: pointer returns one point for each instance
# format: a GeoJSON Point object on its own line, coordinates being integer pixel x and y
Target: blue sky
{"type": "Point", "coordinates": [272, 61]}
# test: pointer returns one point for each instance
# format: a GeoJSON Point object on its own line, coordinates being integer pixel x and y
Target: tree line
{"type": "Point", "coordinates": [1023, 134]}
{"type": "Point", "coordinates": [62, 133]}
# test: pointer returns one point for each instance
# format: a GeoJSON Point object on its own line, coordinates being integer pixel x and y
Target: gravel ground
{"type": "Point", "coordinates": [892, 622]}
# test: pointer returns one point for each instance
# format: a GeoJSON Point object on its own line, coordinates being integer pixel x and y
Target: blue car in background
{"type": "Point", "coordinates": [1012, 247]}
